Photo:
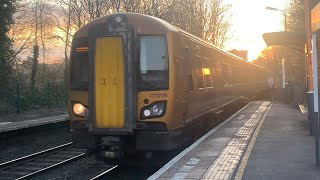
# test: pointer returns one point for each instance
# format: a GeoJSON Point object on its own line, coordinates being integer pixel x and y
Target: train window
{"type": "Point", "coordinates": [199, 73]}
{"type": "Point", "coordinates": [154, 74]}
{"type": "Point", "coordinates": [188, 69]}
{"type": "Point", "coordinates": [212, 75]}
{"type": "Point", "coordinates": [227, 75]}
{"type": "Point", "coordinates": [79, 64]}
{"type": "Point", "coordinates": [207, 77]}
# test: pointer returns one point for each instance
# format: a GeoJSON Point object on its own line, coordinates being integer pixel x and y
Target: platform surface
{"type": "Point", "coordinates": [31, 119]}
{"type": "Point", "coordinates": [263, 140]}
{"type": "Point", "coordinates": [283, 149]}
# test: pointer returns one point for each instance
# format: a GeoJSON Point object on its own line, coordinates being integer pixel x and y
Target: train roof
{"type": "Point", "coordinates": [185, 33]}
{"type": "Point", "coordinates": [152, 25]}
{"type": "Point", "coordinates": [209, 45]}
{"type": "Point", "coordinates": [142, 23]}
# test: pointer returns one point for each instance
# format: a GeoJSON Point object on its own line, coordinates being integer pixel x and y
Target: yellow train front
{"type": "Point", "coordinates": [136, 82]}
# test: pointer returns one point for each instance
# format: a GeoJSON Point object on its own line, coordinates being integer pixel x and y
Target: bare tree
{"type": "Point", "coordinates": [84, 11]}
{"type": "Point", "coordinates": [207, 19]}
{"type": "Point", "coordinates": [62, 17]}
{"type": "Point", "coordinates": [187, 15]}
{"type": "Point", "coordinates": [21, 31]}
{"type": "Point", "coordinates": [217, 23]}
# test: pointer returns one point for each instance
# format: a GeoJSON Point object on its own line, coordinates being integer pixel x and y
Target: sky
{"type": "Point", "coordinates": [250, 19]}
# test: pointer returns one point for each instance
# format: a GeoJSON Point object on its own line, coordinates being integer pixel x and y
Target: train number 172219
{"type": "Point", "coordinates": [158, 95]}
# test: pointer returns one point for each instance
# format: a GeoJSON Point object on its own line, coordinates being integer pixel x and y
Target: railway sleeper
{"type": "Point", "coordinates": [73, 153]}
{"type": "Point", "coordinates": [61, 156]}
{"type": "Point", "coordinates": [13, 173]}
{"type": "Point", "coordinates": [49, 161]}
{"type": "Point", "coordinates": [27, 168]}
{"type": "Point", "coordinates": [39, 164]}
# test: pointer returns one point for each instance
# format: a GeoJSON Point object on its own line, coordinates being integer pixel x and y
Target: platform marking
{"type": "Point", "coordinates": [246, 156]}
{"type": "Point", "coordinates": [5, 123]}
{"type": "Point", "coordinates": [241, 117]}
{"type": "Point", "coordinates": [225, 165]}
{"type": "Point", "coordinates": [303, 109]}
{"type": "Point", "coordinates": [183, 172]}
{"type": "Point", "coordinates": [48, 119]}
{"type": "Point", "coordinates": [34, 122]}
{"type": "Point", "coordinates": [188, 149]}
{"type": "Point", "coordinates": [45, 120]}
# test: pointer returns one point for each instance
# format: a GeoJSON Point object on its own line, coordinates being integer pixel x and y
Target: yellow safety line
{"type": "Point", "coordinates": [246, 156]}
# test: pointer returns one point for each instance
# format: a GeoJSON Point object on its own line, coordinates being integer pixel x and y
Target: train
{"type": "Point", "coordinates": [139, 84]}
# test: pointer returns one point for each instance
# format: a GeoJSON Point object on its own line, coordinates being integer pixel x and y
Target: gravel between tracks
{"type": "Point", "coordinates": [84, 168]}
{"type": "Point", "coordinates": [27, 144]}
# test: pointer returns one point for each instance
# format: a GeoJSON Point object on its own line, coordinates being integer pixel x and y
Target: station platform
{"type": "Point", "coordinates": [263, 140]}
{"type": "Point", "coordinates": [30, 119]}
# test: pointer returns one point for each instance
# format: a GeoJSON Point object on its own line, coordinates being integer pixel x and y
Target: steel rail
{"type": "Point", "coordinates": [105, 172]}
{"type": "Point", "coordinates": [60, 154]}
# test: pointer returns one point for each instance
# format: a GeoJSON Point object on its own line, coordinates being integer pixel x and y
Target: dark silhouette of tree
{"type": "Point", "coordinates": [6, 12]}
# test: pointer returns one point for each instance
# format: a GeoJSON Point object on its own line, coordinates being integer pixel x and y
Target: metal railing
{"type": "Point", "coordinates": [17, 97]}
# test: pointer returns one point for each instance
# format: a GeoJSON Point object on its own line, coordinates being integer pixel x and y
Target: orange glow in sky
{"type": "Point", "coordinates": [250, 19]}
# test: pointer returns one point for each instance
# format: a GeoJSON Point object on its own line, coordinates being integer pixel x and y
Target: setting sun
{"type": "Point", "coordinates": [250, 19]}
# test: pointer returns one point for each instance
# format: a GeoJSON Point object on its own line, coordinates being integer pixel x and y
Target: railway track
{"type": "Point", "coordinates": [32, 164]}
{"type": "Point", "coordinates": [104, 173]}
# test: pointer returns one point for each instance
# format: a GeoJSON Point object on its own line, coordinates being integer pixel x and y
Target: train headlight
{"type": "Point", "coordinates": [146, 113]}
{"type": "Point", "coordinates": [155, 110]}
{"type": "Point", "coordinates": [79, 109]}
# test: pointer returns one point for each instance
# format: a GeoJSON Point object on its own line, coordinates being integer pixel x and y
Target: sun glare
{"type": "Point", "coordinates": [250, 20]}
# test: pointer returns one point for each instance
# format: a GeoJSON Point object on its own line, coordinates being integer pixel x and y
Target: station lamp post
{"type": "Point", "coordinates": [283, 68]}
{"type": "Point", "coordinates": [284, 14]}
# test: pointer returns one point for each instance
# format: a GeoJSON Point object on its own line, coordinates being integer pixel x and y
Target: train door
{"type": "Point", "coordinates": [198, 87]}
{"type": "Point", "coordinates": [188, 68]}
{"type": "Point", "coordinates": [109, 83]}
{"type": "Point", "coordinates": [112, 90]}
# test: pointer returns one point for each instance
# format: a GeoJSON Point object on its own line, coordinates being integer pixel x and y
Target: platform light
{"type": "Point", "coordinates": [79, 109]}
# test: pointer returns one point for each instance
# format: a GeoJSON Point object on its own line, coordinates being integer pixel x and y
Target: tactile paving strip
{"type": "Point", "coordinates": [225, 165]}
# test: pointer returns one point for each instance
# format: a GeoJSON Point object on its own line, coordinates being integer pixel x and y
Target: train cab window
{"type": "Point", "coordinates": [154, 74]}
{"type": "Point", "coordinates": [79, 64]}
